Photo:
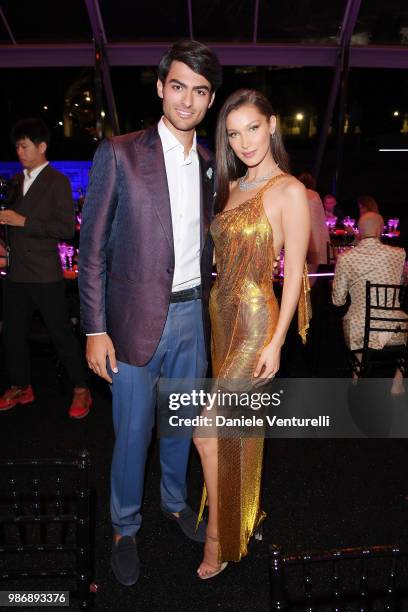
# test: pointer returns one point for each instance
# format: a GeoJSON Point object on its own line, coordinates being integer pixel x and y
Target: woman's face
{"type": "Point", "coordinates": [249, 134]}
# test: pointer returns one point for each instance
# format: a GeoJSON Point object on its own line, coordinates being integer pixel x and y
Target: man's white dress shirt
{"type": "Point", "coordinates": [183, 178]}
{"type": "Point", "coordinates": [29, 177]}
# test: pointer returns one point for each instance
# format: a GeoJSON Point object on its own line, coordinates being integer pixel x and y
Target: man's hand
{"type": "Point", "coordinates": [10, 217]}
{"type": "Point", "coordinates": [98, 349]}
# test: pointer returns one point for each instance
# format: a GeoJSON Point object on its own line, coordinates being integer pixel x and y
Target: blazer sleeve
{"type": "Point", "coordinates": [97, 217]}
{"type": "Point", "coordinates": [340, 282]}
{"type": "Point", "coordinates": [61, 222]}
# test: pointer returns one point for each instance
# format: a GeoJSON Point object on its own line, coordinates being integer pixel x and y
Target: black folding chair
{"type": "Point", "coordinates": [358, 579]}
{"type": "Point", "coordinates": [388, 298]}
{"type": "Point", "coordinates": [45, 526]}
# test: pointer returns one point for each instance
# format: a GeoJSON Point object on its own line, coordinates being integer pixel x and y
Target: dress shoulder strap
{"type": "Point", "coordinates": [271, 182]}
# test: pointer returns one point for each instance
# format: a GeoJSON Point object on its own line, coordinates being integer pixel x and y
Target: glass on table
{"type": "Point", "coordinates": [70, 252]}
{"type": "Point", "coordinates": [392, 225]}
{"type": "Point", "coordinates": [331, 222]}
{"type": "Point", "coordinates": [62, 251]}
{"type": "Point", "coordinates": [349, 222]}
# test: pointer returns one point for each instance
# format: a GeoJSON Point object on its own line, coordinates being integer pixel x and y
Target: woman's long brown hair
{"type": "Point", "coordinates": [229, 167]}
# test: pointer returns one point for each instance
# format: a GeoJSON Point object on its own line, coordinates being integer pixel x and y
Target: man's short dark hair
{"type": "Point", "coordinates": [34, 129]}
{"type": "Point", "coordinates": [196, 56]}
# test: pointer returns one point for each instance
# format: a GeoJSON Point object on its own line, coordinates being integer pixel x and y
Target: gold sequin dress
{"type": "Point", "coordinates": [244, 313]}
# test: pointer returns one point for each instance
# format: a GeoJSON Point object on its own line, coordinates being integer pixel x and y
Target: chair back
{"type": "Point", "coordinates": [45, 525]}
{"type": "Point", "coordinates": [383, 314]}
{"type": "Point", "coordinates": [363, 577]}
{"type": "Point", "coordinates": [381, 302]}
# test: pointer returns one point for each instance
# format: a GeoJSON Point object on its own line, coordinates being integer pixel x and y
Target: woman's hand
{"type": "Point", "coordinates": [269, 361]}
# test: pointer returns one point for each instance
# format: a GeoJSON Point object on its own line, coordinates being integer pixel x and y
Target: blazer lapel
{"type": "Point", "coordinates": [18, 190]}
{"type": "Point", "coordinates": [153, 172]}
{"type": "Point", "coordinates": [36, 191]}
{"type": "Point", "coordinates": [206, 194]}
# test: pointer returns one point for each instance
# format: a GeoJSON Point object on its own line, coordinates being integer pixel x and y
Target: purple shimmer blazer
{"type": "Point", "coordinates": [126, 263]}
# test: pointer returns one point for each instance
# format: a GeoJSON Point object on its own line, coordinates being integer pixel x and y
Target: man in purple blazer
{"type": "Point", "coordinates": [145, 271]}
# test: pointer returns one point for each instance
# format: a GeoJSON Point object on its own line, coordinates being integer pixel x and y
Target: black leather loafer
{"type": "Point", "coordinates": [187, 521]}
{"type": "Point", "coordinates": [125, 562]}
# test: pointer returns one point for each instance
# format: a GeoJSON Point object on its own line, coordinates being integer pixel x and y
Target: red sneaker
{"type": "Point", "coordinates": [16, 395]}
{"type": "Point", "coordinates": [81, 404]}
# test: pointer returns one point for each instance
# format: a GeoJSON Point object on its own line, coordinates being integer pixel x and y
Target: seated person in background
{"type": "Point", "coordinates": [3, 255]}
{"type": "Point", "coordinates": [319, 235]}
{"type": "Point", "coordinates": [367, 204]}
{"type": "Point", "coordinates": [378, 263]}
{"type": "Point", "coordinates": [331, 208]}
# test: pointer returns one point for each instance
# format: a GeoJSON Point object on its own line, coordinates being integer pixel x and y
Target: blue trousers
{"type": "Point", "coordinates": [180, 354]}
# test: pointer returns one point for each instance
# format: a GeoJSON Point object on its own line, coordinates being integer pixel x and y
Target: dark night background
{"type": "Point", "coordinates": [318, 493]}
{"type": "Point", "coordinates": [374, 94]}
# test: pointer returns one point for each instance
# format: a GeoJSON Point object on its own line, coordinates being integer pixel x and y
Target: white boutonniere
{"type": "Point", "coordinates": [210, 173]}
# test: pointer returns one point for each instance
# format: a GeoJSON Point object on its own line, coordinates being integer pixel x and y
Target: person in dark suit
{"type": "Point", "coordinates": [145, 272]}
{"type": "Point", "coordinates": [40, 214]}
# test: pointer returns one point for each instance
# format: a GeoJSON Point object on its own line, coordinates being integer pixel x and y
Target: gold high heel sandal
{"type": "Point", "coordinates": [217, 568]}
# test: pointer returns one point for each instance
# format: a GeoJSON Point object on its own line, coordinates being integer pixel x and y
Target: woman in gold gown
{"type": "Point", "coordinates": [258, 214]}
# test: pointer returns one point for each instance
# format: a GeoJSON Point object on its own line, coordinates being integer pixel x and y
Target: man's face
{"type": "Point", "coordinates": [30, 154]}
{"type": "Point", "coordinates": [329, 203]}
{"type": "Point", "coordinates": [186, 97]}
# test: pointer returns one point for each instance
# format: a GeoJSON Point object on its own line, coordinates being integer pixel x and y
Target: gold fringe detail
{"type": "Point", "coordinates": [202, 506]}
{"type": "Point", "coordinates": [304, 307]}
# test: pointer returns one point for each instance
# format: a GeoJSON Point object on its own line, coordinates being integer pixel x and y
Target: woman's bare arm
{"type": "Point", "coordinates": [295, 216]}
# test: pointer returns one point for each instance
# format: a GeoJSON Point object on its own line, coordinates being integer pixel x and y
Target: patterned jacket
{"type": "Point", "coordinates": [369, 261]}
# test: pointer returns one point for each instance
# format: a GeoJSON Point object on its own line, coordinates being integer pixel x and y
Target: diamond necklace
{"type": "Point", "coordinates": [243, 186]}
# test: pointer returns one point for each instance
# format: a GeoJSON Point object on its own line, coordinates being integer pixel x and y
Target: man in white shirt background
{"type": "Point", "coordinates": [40, 214]}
